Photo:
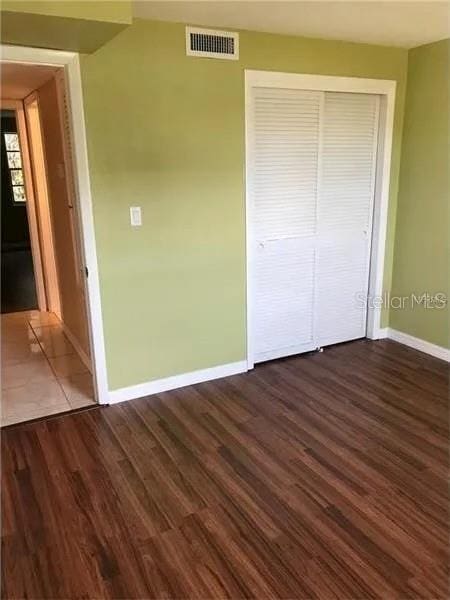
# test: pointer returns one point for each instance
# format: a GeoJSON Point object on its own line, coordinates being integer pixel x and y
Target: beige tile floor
{"type": "Point", "coordinates": [41, 372]}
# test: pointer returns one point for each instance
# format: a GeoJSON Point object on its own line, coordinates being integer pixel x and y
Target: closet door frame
{"type": "Point", "coordinates": [386, 89]}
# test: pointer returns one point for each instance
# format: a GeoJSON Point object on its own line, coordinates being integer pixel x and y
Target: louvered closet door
{"type": "Point", "coordinates": [345, 207]}
{"type": "Point", "coordinates": [285, 148]}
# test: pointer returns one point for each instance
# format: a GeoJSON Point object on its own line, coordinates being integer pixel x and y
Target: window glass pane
{"type": "Point", "coordinates": [14, 161]}
{"type": "Point", "coordinates": [19, 193]}
{"type": "Point", "coordinates": [17, 177]}
{"type": "Point", "coordinates": [12, 141]}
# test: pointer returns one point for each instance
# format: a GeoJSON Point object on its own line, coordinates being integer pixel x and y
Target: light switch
{"type": "Point", "coordinates": [135, 216]}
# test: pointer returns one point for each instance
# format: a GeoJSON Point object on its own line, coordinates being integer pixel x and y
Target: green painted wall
{"type": "Point", "coordinates": [117, 11]}
{"type": "Point", "coordinates": [81, 26]}
{"type": "Point", "coordinates": [421, 258]}
{"type": "Point", "coordinates": [166, 132]}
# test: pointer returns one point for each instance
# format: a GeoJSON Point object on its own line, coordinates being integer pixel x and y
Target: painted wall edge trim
{"type": "Point", "coordinates": [176, 381]}
{"type": "Point", "coordinates": [416, 343]}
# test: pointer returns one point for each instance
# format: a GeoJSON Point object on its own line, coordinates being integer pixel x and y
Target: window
{"type": "Point", "coordinates": [15, 167]}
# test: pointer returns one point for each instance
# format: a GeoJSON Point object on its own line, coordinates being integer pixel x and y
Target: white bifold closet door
{"type": "Point", "coordinates": [286, 154]}
{"type": "Point", "coordinates": [313, 159]}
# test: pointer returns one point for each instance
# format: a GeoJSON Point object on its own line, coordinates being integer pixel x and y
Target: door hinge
{"type": "Point", "coordinates": [86, 272]}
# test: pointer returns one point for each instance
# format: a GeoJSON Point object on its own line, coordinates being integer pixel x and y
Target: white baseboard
{"type": "Point", "coordinates": [418, 344]}
{"type": "Point", "coordinates": [176, 381]}
{"type": "Point", "coordinates": [382, 334]}
{"type": "Point", "coordinates": [76, 344]}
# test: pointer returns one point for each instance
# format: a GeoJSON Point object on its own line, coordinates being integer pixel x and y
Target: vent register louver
{"type": "Point", "coordinates": [211, 43]}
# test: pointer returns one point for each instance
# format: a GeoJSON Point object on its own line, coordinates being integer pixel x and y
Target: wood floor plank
{"type": "Point", "coordinates": [317, 476]}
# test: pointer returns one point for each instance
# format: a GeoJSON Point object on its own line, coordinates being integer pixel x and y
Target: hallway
{"type": "Point", "coordinates": [41, 372]}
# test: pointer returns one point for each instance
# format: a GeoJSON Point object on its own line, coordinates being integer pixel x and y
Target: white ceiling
{"type": "Point", "coordinates": [390, 22]}
{"type": "Point", "coordinates": [19, 81]}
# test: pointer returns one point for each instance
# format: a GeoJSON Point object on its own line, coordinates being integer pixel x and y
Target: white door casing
{"type": "Point", "coordinates": [71, 64]}
{"type": "Point", "coordinates": [329, 236]}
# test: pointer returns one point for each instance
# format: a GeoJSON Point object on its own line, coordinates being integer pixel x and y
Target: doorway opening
{"type": "Point", "coordinates": [17, 274]}
{"type": "Point", "coordinates": [47, 365]}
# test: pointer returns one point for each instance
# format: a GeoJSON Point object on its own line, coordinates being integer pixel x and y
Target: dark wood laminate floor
{"type": "Point", "coordinates": [321, 476]}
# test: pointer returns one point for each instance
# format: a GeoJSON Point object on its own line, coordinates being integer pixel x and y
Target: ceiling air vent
{"type": "Point", "coordinates": [211, 43]}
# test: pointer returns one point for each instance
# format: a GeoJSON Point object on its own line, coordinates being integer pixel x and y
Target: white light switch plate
{"type": "Point", "coordinates": [135, 216]}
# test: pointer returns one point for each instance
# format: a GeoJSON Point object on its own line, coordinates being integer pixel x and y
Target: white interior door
{"type": "Point", "coordinates": [312, 172]}
{"type": "Point", "coordinates": [345, 208]}
{"type": "Point", "coordinates": [284, 168]}
{"type": "Point", "coordinates": [42, 202]}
